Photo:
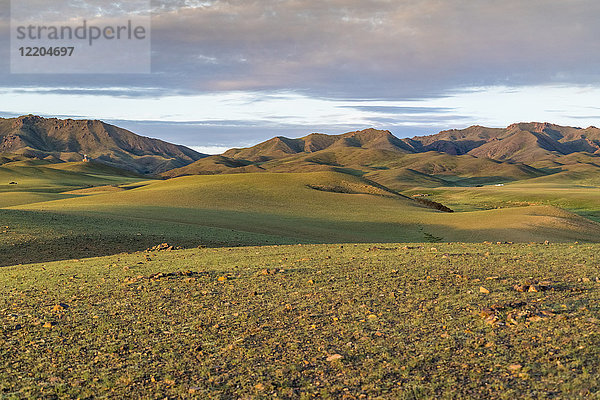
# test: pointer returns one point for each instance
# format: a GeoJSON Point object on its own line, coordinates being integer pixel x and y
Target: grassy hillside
{"type": "Point", "coordinates": [74, 210]}
{"type": "Point", "coordinates": [324, 321]}
{"type": "Point", "coordinates": [397, 171]}
{"type": "Point", "coordinates": [468, 157]}
{"type": "Point", "coordinates": [319, 207]}
{"type": "Point", "coordinates": [572, 190]}
{"type": "Point", "coordinates": [46, 177]}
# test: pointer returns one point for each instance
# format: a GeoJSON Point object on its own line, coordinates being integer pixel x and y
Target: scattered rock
{"type": "Point", "coordinates": [532, 286]}
{"type": "Point", "coordinates": [162, 247]}
{"type": "Point", "coordinates": [60, 307]}
{"type": "Point", "coordinates": [487, 312]}
{"type": "Point", "coordinates": [270, 271]}
{"type": "Point", "coordinates": [515, 367]}
{"type": "Point", "coordinates": [335, 357]}
{"type": "Point", "coordinates": [492, 319]}
{"type": "Point", "coordinates": [48, 325]}
{"type": "Point", "coordinates": [189, 276]}
{"type": "Point", "coordinates": [483, 290]}
{"type": "Point", "coordinates": [502, 314]}
{"type": "Point", "coordinates": [129, 281]}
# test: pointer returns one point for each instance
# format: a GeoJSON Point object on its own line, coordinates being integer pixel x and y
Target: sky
{"type": "Point", "coordinates": [231, 73]}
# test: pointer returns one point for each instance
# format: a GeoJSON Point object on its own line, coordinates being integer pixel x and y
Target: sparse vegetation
{"type": "Point", "coordinates": [327, 321]}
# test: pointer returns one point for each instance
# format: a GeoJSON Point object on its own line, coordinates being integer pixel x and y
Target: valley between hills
{"type": "Point", "coordinates": [526, 183]}
{"type": "Point", "coordinates": [458, 265]}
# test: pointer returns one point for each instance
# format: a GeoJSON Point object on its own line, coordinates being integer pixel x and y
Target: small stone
{"type": "Point", "coordinates": [533, 288]}
{"type": "Point", "coordinates": [59, 307]}
{"type": "Point", "coordinates": [483, 290]}
{"type": "Point", "coordinates": [515, 367]}
{"type": "Point", "coordinates": [586, 280]}
{"type": "Point", "coordinates": [260, 387]}
{"type": "Point", "coordinates": [48, 325]}
{"type": "Point", "coordinates": [222, 279]}
{"type": "Point", "coordinates": [335, 357]}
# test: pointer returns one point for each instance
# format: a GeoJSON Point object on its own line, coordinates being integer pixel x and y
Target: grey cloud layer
{"type": "Point", "coordinates": [359, 48]}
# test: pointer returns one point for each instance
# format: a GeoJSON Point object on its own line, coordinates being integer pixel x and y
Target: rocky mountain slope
{"type": "Point", "coordinates": [70, 140]}
{"type": "Point", "coordinates": [471, 156]}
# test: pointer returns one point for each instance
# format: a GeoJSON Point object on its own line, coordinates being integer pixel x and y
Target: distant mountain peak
{"type": "Point", "coordinates": [536, 127]}
{"type": "Point", "coordinates": [68, 140]}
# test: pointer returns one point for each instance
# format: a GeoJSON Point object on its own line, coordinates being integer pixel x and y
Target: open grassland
{"type": "Point", "coordinates": [30, 236]}
{"type": "Point", "coordinates": [583, 200]}
{"type": "Point", "coordinates": [256, 209]}
{"type": "Point", "coordinates": [311, 321]}
{"type": "Point", "coordinates": [322, 207]}
{"type": "Point", "coordinates": [40, 176]}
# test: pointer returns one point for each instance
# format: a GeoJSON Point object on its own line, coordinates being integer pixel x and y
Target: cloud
{"type": "Point", "coordinates": [211, 149]}
{"type": "Point", "coordinates": [402, 110]}
{"type": "Point", "coordinates": [369, 49]}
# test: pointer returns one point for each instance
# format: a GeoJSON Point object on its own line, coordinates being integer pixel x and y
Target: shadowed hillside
{"type": "Point", "coordinates": [69, 140]}
{"type": "Point", "coordinates": [319, 207]}
{"type": "Point", "coordinates": [523, 142]}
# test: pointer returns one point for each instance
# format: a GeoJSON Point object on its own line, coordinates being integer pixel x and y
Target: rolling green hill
{"type": "Point", "coordinates": [393, 169]}
{"type": "Point", "coordinates": [267, 208]}
{"type": "Point", "coordinates": [46, 177]}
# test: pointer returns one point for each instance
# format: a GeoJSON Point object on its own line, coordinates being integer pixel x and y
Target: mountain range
{"type": "Point", "coordinates": [71, 140]}
{"type": "Point", "coordinates": [471, 156]}
{"type": "Point", "coordinates": [458, 157]}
